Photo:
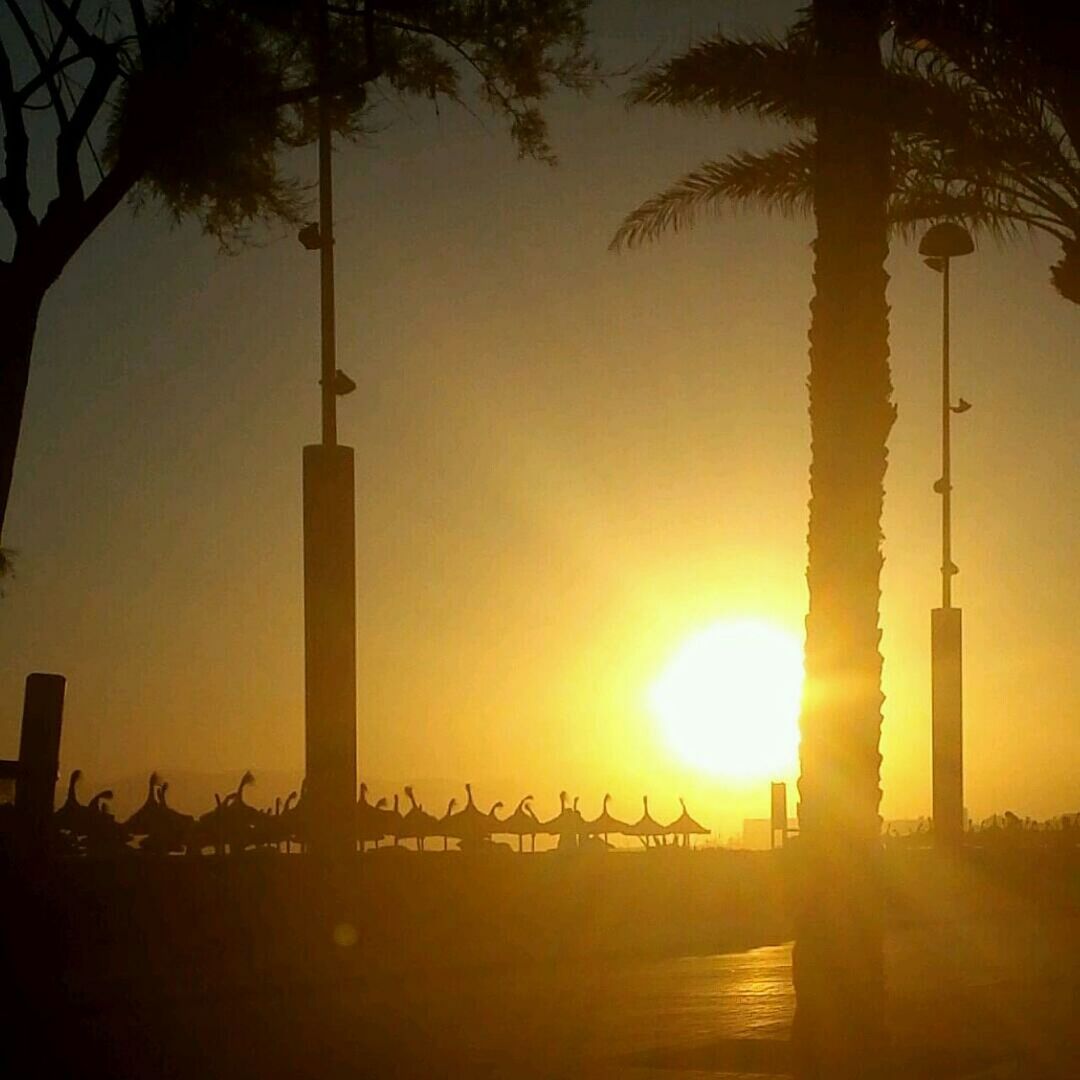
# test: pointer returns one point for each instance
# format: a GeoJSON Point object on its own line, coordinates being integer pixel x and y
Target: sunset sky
{"type": "Point", "coordinates": [568, 462]}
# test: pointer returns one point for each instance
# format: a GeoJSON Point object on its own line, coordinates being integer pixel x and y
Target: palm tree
{"type": "Point", "coordinates": [983, 101]}
{"type": "Point", "coordinates": [994, 136]}
{"type": "Point", "coordinates": [838, 969]}
{"type": "Point", "coordinates": [835, 51]}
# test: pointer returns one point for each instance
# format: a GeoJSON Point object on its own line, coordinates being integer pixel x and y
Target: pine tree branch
{"type": "Point", "coordinates": [65, 227]}
{"type": "Point", "coordinates": [55, 67]}
{"type": "Point", "coordinates": [14, 184]}
{"type": "Point", "coordinates": [68, 174]}
{"type": "Point", "coordinates": [40, 59]}
{"type": "Point", "coordinates": [67, 16]}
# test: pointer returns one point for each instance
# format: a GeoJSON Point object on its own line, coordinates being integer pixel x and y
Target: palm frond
{"type": "Point", "coordinates": [927, 188]}
{"type": "Point", "coordinates": [910, 211]}
{"type": "Point", "coordinates": [778, 180]}
{"type": "Point", "coordinates": [980, 99]}
{"type": "Point", "coordinates": [769, 78]}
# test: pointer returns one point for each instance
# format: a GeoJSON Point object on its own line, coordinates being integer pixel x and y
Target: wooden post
{"type": "Point", "coordinates": [39, 756]}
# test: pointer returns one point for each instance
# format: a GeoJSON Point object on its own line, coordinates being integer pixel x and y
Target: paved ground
{"type": "Point", "coordinates": [993, 999]}
{"type": "Point", "coordinates": [987, 1000]}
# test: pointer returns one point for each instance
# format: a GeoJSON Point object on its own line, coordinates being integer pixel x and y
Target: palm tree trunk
{"type": "Point", "coordinates": [21, 307]}
{"type": "Point", "coordinates": [838, 968]}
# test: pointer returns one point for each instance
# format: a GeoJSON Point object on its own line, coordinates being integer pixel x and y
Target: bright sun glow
{"type": "Point", "coordinates": [728, 701]}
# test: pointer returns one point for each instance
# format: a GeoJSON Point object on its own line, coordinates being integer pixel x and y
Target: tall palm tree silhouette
{"type": "Point", "coordinates": [981, 98]}
{"type": "Point", "coordinates": [838, 966]}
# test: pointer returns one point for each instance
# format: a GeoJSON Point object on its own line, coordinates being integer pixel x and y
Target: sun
{"type": "Point", "coordinates": [728, 700]}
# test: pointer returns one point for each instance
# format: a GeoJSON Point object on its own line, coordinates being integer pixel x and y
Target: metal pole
{"type": "Point", "coordinates": [326, 234]}
{"type": "Point", "coordinates": [939, 246]}
{"type": "Point", "coordinates": [946, 633]}
{"type": "Point", "coordinates": [946, 449]}
{"type": "Point", "coordinates": [329, 552]}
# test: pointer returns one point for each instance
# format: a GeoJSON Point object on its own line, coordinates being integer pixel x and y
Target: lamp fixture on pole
{"type": "Point", "coordinates": [941, 244]}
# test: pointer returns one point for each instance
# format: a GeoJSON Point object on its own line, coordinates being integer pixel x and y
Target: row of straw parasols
{"type": "Point", "coordinates": [473, 827]}
{"type": "Point", "coordinates": [234, 825]}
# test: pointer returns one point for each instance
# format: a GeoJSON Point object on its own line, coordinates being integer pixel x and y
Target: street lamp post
{"type": "Point", "coordinates": [329, 549]}
{"type": "Point", "coordinates": [941, 244]}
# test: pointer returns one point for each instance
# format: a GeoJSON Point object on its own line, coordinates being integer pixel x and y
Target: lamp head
{"type": "Point", "coordinates": [946, 240]}
{"type": "Point", "coordinates": [309, 236]}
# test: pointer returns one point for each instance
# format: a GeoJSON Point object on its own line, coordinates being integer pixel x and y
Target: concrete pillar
{"type": "Point", "coordinates": [778, 813]}
{"type": "Point", "coordinates": [948, 740]}
{"type": "Point", "coordinates": [330, 649]}
{"type": "Point", "coordinates": [39, 756]}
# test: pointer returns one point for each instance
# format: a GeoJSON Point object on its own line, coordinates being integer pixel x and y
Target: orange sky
{"type": "Point", "coordinates": [567, 461]}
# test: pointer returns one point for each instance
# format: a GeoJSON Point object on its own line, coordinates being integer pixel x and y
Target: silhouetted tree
{"type": "Point", "coordinates": [838, 966]}
{"type": "Point", "coordinates": [989, 118]}
{"type": "Point", "coordinates": [189, 103]}
{"type": "Point", "coordinates": [982, 96]}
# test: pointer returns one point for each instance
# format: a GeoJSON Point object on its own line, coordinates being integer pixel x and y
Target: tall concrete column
{"type": "Point", "coordinates": [330, 649]}
{"type": "Point", "coordinates": [946, 649]}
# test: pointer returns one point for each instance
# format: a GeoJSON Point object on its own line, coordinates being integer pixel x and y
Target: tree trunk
{"type": "Point", "coordinates": [838, 968]}
{"type": "Point", "coordinates": [21, 307]}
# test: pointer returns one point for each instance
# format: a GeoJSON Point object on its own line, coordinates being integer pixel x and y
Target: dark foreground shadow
{"type": "Point", "coordinates": [238, 969]}
{"type": "Point", "coordinates": [765, 1057]}
{"type": "Point", "coordinates": [774, 1057]}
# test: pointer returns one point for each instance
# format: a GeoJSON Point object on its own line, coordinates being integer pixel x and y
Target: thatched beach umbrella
{"type": "Point", "coordinates": [417, 824]}
{"type": "Point", "coordinates": [277, 826]}
{"type": "Point", "coordinates": [103, 832]}
{"type": "Point", "coordinates": [71, 817]}
{"type": "Point", "coordinates": [646, 826]}
{"type": "Point", "coordinates": [294, 814]}
{"type": "Point", "coordinates": [566, 825]}
{"type": "Point", "coordinates": [446, 827]}
{"type": "Point", "coordinates": [243, 820]}
{"type": "Point", "coordinates": [521, 823]}
{"type": "Point", "coordinates": [143, 820]}
{"type": "Point", "coordinates": [685, 826]}
{"type": "Point", "coordinates": [172, 829]}
{"type": "Point", "coordinates": [392, 822]}
{"type": "Point", "coordinates": [605, 824]}
{"type": "Point", "coordinates": [231, 822]}
{"type": "Point", "coordinates": [370, 820]}
{"type": "Point", "coordinates": [470, 824]}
